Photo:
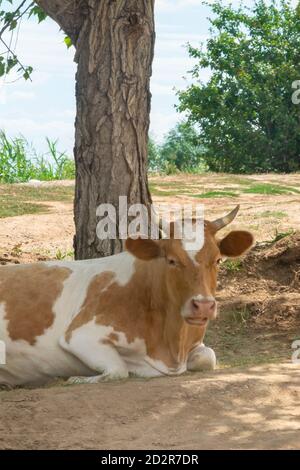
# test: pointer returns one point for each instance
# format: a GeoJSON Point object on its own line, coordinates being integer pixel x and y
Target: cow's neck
{"type": "Point", "coordinates": [175, 338]}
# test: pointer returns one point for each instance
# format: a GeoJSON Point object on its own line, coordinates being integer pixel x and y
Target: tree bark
{"type": "Point", "coordinates": [114, 42]}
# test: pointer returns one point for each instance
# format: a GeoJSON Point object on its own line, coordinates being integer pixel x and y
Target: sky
{"type": "Point", "coordinates": [46, 106]}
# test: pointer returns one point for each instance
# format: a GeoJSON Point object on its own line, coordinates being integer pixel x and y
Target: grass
{"type": "Point", "coordinates": [157, 192]}
{"type": "Point", "coordinates": [233, 265]}
{"type": "Point", "coordinates": [247, 186]}
{"type": "Point", "coordinates": [19, 161]}
{"type": "Point", "coordinates": [270, 189]}
{"type": "Point", "coordinates": [271, 214]}
{"type": "Point", "coordinates": [280, 235]}
{"type": "Point", "coordinates": [11, 208]}
{"type": "Point", "coordinates": [20, 200]}
{"type": "Point", "coordinates": [61, 256]}
{"type": "Point", "coordinates": [216, 194]}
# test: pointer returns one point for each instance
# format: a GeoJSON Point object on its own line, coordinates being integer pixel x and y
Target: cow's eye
{"type": "Point", "coordinates": [219, 261]}
{"type": "Point", "coordinates": [172, 262]}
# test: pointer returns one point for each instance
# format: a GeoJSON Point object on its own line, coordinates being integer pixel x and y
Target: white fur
{"type": "Point", "coordinates": [202, 359]}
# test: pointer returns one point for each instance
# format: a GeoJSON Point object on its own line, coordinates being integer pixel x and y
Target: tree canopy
{"type": "Point", "coordinates": [180, 151]}
{"type": "Point", "coordinates": [248, 122]}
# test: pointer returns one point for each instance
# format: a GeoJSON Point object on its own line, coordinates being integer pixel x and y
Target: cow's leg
{"type": "Point", "coordinates": [102, 358]}
{"type": "Point", "coordinates": [201, 358]}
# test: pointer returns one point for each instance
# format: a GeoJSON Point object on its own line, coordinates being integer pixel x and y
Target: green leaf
{"type": "Point", "coordinates": [13, 24]}
{"type": "Point", "coordinates": [39, 12]}
{"type": "Point", "coordinates": [68, 42]}
{"type": "Point", "coordinates": [2, 69]}
{"type": "Point", "coordinates": [27, 73]}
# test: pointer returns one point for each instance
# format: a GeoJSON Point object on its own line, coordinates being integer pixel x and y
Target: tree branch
{"type": "Point", "coordinates": [68, 14]}
{"type": "Point", "coordinates": [16, 15]}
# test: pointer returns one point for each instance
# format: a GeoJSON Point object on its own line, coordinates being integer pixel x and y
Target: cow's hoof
{"type": "Point", "coordinates": [204, 360]}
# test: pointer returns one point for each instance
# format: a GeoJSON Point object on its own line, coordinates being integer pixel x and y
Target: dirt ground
{"type": "Point", "coordinates": [252, 401]}
{"type": "Point", "coordinates": [253, 408]}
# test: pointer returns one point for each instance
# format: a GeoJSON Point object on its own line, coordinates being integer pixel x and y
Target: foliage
{"type": "Point", "coordinates": [180, 151]}
{"type": "Point", "coordinates": [11, 14]}
{"type": "Point", "coordinates": [19, 161]}
{"type": "Point", "coordinates": [181, 148]}
{"type": "Point", "coordinates": [154, 157]}
{"type": "Point", "coordinates": [245, 112]}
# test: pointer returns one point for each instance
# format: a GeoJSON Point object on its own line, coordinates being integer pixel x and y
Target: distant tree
{"type": "Point", "coordinates": [247, 119]}
{"type": "Point", "coordinates": [154, 156]}
{"type": "Point", "coordinates": [181, 149]}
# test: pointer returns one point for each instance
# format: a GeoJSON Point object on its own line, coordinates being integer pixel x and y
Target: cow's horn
{"type": "Point", "coordinates": [220, 223]}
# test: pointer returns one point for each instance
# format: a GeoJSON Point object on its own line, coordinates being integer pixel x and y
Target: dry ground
{"type": "Point", "coordinates": [257, 407]}
{"type": "Point", "coordinates": [251, 401]}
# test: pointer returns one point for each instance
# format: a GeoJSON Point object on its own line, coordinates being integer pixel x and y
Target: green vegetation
{"type": "Point", "coordinates": [19, 161]}
{"type": "Point", "coordinates": [246, 118]}
{"type": "Point", "coordinates": [19, 199]}
{"type": "Point", "coordinates": [271, 214]}
{"type": "Point", "coordinates": [280, 235]}
{"type": "Point", "coordinates": [11, 208]}
{"type": "Point", "coordinates": [61, 255]}
{"type": "Point", "coordinates": [180, 151]}
{"type": "Point", "coordinates": [270, 189]}
{"type": "Point", "coordinates": [232, 265]}
{"type": "Point", "coordinates": [213, 194]}
{"type": "Point", "coordinates": [173, 188]}
{"type": "Point", "coordinates": [11, 17]}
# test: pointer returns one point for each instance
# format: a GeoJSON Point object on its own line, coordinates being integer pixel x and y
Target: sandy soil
{"type": "Point", "coordinates": [253, 406]}
{"type": "Point", "coordinates": [44, 235]}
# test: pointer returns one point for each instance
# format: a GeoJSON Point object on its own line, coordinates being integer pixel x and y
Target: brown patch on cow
{"type": "Point", "coordinates": [90, 305]}
{"type": "Point", "coordinates": [29, 293]}
{"type": "Point", "coordinates": [111, 339]}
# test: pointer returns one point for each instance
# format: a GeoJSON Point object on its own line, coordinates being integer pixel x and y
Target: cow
{"type": "Point", "coordinates": [143, 312]}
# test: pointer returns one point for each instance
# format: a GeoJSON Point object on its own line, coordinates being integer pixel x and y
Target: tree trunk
{"type": "Point", "coordinates": [114, 42]}
{"type": "Point", "coordinates": [114, 54]}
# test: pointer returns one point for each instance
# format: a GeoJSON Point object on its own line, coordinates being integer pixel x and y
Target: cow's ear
{"type": "Point", "coordinates": [144, 249]}
{"type": "Point", "coordinates": [236, 243]}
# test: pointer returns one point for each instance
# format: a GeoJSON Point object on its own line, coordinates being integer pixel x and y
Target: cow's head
{"type": "Point", "coordinates": [191, 277]}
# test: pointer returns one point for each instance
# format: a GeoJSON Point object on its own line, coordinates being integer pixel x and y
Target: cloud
{"type": "Point", "coordinates": [162, 122]}
{"type": "Point", "coordinates": [42, 47]}
{"type": "Point", "coordinates": [161, 89]}
{"type": "Point", "coordinates": [171, 5]}
{"type": "Point", "coordinates": [36, 130]}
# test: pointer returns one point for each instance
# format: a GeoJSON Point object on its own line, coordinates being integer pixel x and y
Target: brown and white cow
{"type": "Point", "coordinates": [141, 312]}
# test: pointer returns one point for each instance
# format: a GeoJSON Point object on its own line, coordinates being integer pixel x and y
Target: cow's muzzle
{"type": "Point", "coordinates": [201, 312]}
